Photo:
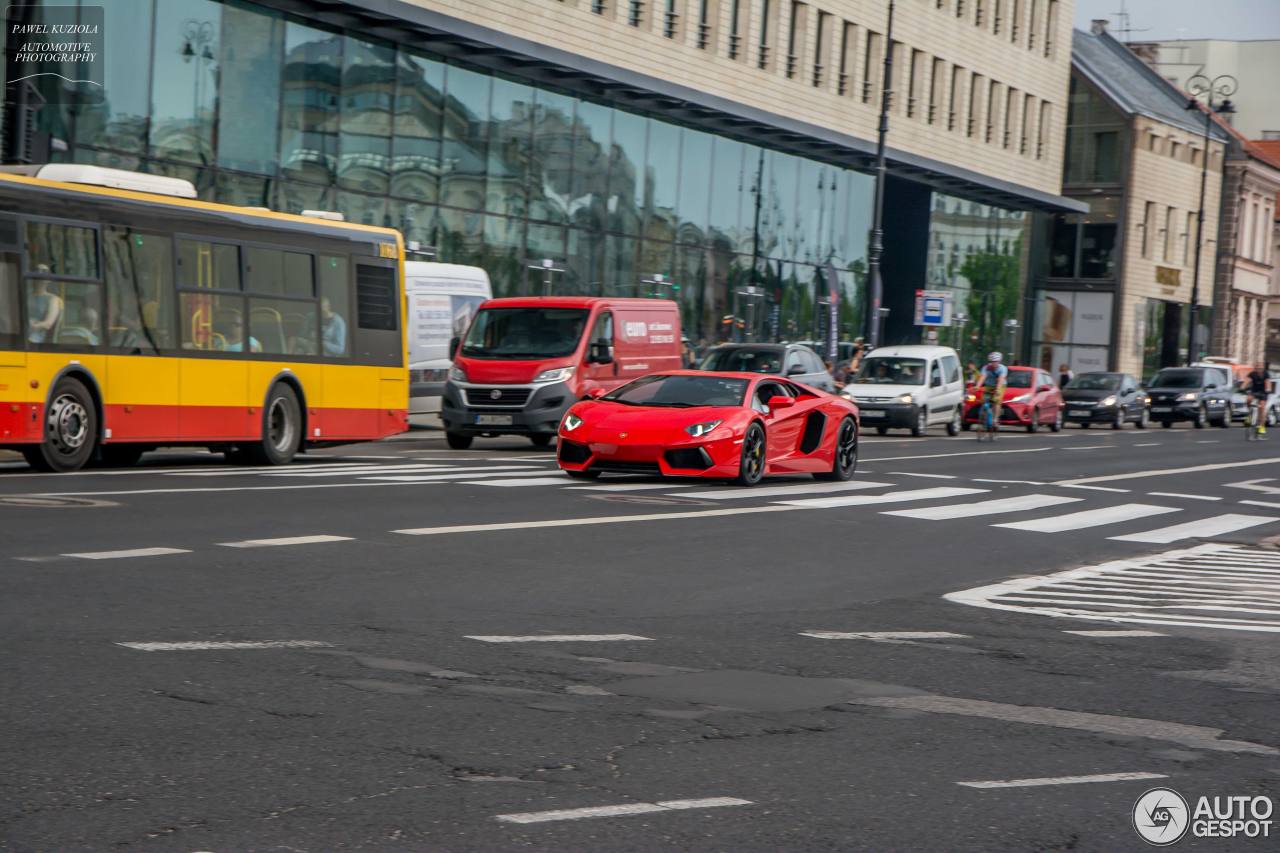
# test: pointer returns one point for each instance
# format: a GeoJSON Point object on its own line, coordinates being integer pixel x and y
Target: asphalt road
{"type": "Point", "coordinates": [721, 678]}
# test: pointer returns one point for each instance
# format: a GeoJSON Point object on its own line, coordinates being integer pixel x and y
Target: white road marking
{"type": "Point", "coordinates": [1204, 528]}
{"type": "Point", "coordinates": [1105, 633]}
{"type": "Point", "coordinates": [1190, 469]}
{"type": "Point", "coordinates": [295, 487]}
{"type": "Point", "coordinates": [1267, 504]}
{"type": "Point", "coordinates": [1209, 441]}
{"type": "Point", "coordinates": [1148, 444]}
{"type": "Point", "coordinates": [929, 476]}
{"type": "Point", "coordinates": [963, 453]}
{"type": "Point", "coordinates": [559, 480]}
{"type": "Point", "coordinates": [1145, 591]}
{"type": "Point", "coordinates": [1091, 447]}
{"type": "Point", "coordinates": [445, 478]}
{"type": "Point", "coordinates": [287, 540]}
{"type": "Point", "coordinates": [884, 635]}
{"type": "Point", "coordinates": [999, 505]}
{"type": "Point", "coordinates": [1088, 518]}
{"type": "Point", "coordinates": [1018, 482]}
{"type": "Point", "coordinates": [202, 646]}
{"type": "Point", "coordinates": [727, 494]}
{"type": "Point", "coordinates": [127, 553]}
{"type": "Point", "coordinates": [1097, 488]}
{"type": "Point", "coordinates": [1182, 495]}
{"type": "Point", "coordinates": [886, 498]}
{"type": "Point", "coordinates": [616, 811]}
{"type": "Point", "coordinates": [590, 520]}
{"type": "Point", "coordinates": [559, 638]}
{"type": "Point", "coordinates": [1063, 780]}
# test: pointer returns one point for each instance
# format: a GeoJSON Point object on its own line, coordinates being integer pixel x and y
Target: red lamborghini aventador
{"type": "Point", "coordinates": [704, 424]}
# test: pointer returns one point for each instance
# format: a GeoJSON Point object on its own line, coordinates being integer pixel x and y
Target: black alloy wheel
{"type": "Point", "coordinates": [751, 467]}
{"type": "Point", "coordinates": [458, 440]}
{"type": "Point", "coordinates": [846, 455]}
{"type": "Point", "coordinates": [70, 430]}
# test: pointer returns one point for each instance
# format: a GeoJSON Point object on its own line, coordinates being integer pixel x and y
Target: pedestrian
{"type": "Point", "coordinates": [1064, 375]}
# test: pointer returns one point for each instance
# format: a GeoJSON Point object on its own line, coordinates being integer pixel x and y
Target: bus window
{"type": "Point", "coordinates": [64, 312]}
{"type": "Point", "coordinates": [214, 322]}
{"type": "Point", "coordinates": [139, 273]}
{"type": "Point", "coordinates": [284, 325]}
{"type": "Point", "coordinates": [9, 332]}
{"type": "Point", "coordinates": [62, 250]}
{"type": "Point", "coordinates": [208, 266]}
{"type": "Point", "coordinates": [335, 303]}
{"type": "Point", "coordinates": [278, 273]}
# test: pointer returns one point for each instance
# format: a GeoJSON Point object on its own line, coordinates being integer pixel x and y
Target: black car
{"type": "Point", "coordinates": [1104, 398]}
{"type": "Point", "coordinates": [792, 360]}
{"type": "Point", "coordinates": [1195, 394]}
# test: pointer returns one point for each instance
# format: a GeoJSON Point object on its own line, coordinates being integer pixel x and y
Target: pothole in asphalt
{"type": "Point", "coordinates": [52, 501]}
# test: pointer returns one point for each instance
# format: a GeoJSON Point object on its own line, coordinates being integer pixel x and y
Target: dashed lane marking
{"type": "Point", "coordinates": [1183, 495]}
{"type": "Point", "coordinates": [1200, 529]}
{"type": "Point", "coordinates": [560, 638]}
{"type": "Point", "coordinates": [1118, 633]}
{"type": "Point", "coordinates": [727, 494]}
{"type": "Point", "coordinates": [999, 505]}
{"type": "Point", "coordinates": [1088, 518]}
{"type": "Point", "coordinates": [590, 520]}
{"type": "Point", "coordinates": [445, 478]}
{"type": "Point", "coordinates": [1063, 780]}
{"type": "Point", "coordinates": [964, 453]}
{"type": "Point", "coordinates": [1190, 469]}
{"type": "Point", "coordinates": [1268, 504]}
{"type": "Point", "coordinates": [883, 635]}
{"type": "Point", "coordinates": [1097, 488]}
{"type": "Point", "coordinates": [618, 811]}
{"type": "Point", "coordinates": [1148, 444]}
{"type": "Point", "coordinates": [286, 540]}
{"type": "Point", "coordinates": [887, 497]}
{"type": "Point", "coordinates": [127, 553]}
{"type": "Point", "coordinates": [1013, 482]}
{"type": "Point", "coordinates": [203, 646]}
{"type": "Point", "coordinates": [927, 476]}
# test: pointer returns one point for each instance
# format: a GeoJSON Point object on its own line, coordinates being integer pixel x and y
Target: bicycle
{"type": "Point", "coordinates": [1255, 426]}
{"type": "Point", "coordinates": [987, 425]}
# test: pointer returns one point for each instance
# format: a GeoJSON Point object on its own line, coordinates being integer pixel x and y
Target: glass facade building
{"type": "Point", "coordinates": [258, 108]}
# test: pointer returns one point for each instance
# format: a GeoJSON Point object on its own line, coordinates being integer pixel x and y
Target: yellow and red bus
{"type": "Point", "coordinates": [133, 317]}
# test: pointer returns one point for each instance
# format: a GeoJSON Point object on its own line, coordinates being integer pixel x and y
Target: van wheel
{"type": "Point", "coordinates": [751, 466]}
{"type": "Point", "coordinates": [458, 440]}
{"type": "Point", "coordinates": [953, 425]}
{"type": "Point", "coordinates": [921, 426]}
{"type": "Point", "coordinates": [541, 439]}
{"type": "Point", "coordinates": [70, 430]}
{"type": "Point", "coordinates": [281, 429]}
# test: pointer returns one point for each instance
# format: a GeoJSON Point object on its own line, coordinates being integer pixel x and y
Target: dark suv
{"type": "Point", "coordinates": [1195, 394]}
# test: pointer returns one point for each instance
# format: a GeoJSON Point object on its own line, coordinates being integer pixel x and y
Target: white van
{"type": "Point", "coordinates": [442, 300]}
{"type": "Point", "coordinates": [910, 387]}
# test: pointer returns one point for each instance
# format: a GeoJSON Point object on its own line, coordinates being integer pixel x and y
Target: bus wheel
{"type": "Point", "coordinates": [281, 429]}
{"type": "Point", "coordinates": [70, 430]}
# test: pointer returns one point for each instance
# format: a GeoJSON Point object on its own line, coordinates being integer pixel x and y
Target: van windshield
{"type": "Point", "coordinates": [889, 370]}
{"type": "Point", "coordinates": [1178, 379]}
{"type": "Point", "coordinates": [525, 333]}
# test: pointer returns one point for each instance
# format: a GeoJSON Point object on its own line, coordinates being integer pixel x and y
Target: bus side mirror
{"type": "Point", "coordinates": [453, 346]}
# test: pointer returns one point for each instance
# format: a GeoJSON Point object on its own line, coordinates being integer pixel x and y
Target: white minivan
{"type": "Point", "coordinates": [442, 300]}
{"type": "Point", "coordinates": [908, 387]}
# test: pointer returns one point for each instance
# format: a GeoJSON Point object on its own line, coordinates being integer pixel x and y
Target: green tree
{"type": "Point", "coordinates": [996, 289]}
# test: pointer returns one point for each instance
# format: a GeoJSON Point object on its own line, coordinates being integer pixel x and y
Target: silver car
{"type": "Point", "coordinates": [794, 361]}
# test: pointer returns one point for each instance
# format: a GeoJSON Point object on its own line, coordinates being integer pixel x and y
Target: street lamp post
{"type": "Point", "coordinates": [876, 245]}
{"type": "Point", "coordinates": [547, 267]}
{"type": "Point", "coordinates": [1223, 86]}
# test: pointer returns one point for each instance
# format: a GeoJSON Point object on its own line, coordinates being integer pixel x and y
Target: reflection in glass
{"type": "Point", "coordinates": [729, 183]}
{"type": "Point", "coordinates": [309, 103]}
{"type": "Point", "coordinates": [509, 128]}
{"type": "Point", "coordinates": [365, 209]}
{"type": "Point", "coordinates": [550, 165]}
{"type": "Point", "coordinates": [120, 120]}
{"type": "Point", "coordinates": [139, 275]}
{"type": "Point", "coordinates": [626, 164]}
{"type": "Point", "coordinates": [368, 87]}
{"type": "Point", "coordinates": [465, 132]}
{"type": "Point", "coordinates": [592, 131]}
{"type": "Point", "coordinates": [249, 66]}
{"type": "Point", "coordinates": [184, 79]}
{"type": "Point", "coordinates": [662, 180]}
{"type": "Point", "coordinates": [415, 152]}
{"type": "Point", "coordinates": [695, 187]}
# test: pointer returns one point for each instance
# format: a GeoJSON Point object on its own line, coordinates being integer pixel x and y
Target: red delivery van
{"type": "Point", "coordinates": [525, 360]}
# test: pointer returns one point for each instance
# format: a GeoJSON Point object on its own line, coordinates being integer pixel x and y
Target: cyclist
{"type": "Point", "coordinates": [990, 382]}
{"type": "Point", "coordinates": [1260, 386]}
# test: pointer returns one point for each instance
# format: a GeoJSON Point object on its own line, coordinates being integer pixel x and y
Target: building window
{"type": "Point", "coordinates": [848, 56]}
{"type": "Point", "coordinates": [1045, 115]}
{"type": "Point", "coordinates": [762, 56]}
{"type": "Point", "coordinates": [820, 48]}
{"type": "Point", "coordinates": [635, 14]}
{"type": "Point", "coordinates": [1010, 116]}
{"type": "Point", "coordinates": [1106, 156]}
{"type": "Point", "coordinates": [1028, 111]}
{"type": "Point", "coordinates": [1033, 24]}
{"type": "Point", "coordinates": [953, 98]}
{"type": "Point", "coordinates": [1167, 234]}
{"type": "Point", "coordinates": [997, 18]}
{"type": "Point", "coordinates": [795, 37]}
{"type": "Point", "coordinates": [1051, 28]}
{"type": "Point", "coordinates": [915, 75]}
{"type": "Point", "coordinates": [975, 102]}
{"type": "Point", "coordinates": [1063, 240]}
{"type": "Point", "coordinates": [993, 108]}
{"type": "Point", "coordinates": [1148, 223]}
{"type": "Point", "coordinates": [872, 63]}
{"type": "Point", "coordinates": [1258, 224]}
{"type": "Point", "coordinates": [598, 6]}
{"type": "Point", "coordinates": [1015, 20]}
{"type": "Point", "coordinates": [735, 29]}
{"type": "Point", "coordinates": [671, 20]}
{"type": "Point", "coordinates": [979, 13]}
{"type": "Point", "coordinates": [708, 11]}
{"type": "Point", "coordinates": [1175, 150]}
{"type": "Point", "coordinates": [935, 90]}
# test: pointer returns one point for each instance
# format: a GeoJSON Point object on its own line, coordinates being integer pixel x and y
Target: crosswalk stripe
{"type": "Point", "coordinates": [886, 498]}
{"type": "Point", "coordinates": [991, 507]}
{"type": "Point", "coordinates": [729, 493]}
{"type": "Point", "coordinates": [1088, 518]}
{"type": "Point", "coordinates": [559, 480]}
{"type": "Point", "coordinates": [1205, 527]}
{"type": "Point", "coordinates": [444, 478]}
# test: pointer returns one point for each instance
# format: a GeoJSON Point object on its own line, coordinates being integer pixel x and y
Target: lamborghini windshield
{"type": "Point", "coordinates": [680, 392]}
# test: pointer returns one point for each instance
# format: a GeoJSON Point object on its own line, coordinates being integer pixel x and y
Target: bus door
{"type": "Point", "coordinates": [377, 338]}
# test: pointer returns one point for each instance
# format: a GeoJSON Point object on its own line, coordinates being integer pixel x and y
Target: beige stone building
{"type": "Point", "coordinates": [1115, 285]}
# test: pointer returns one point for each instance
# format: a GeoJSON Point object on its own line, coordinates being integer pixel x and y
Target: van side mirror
{"type": "Point", "coordinates": [600, 353]}
{"type": "Point", "coordinates": [936, 382]}
{"type": "Point", "coordinates": [453, 345]}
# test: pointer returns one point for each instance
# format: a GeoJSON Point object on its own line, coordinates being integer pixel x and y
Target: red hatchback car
{"type": "Point", "coordinates": [1031, 400]}
{"type": "Point", "coordinates": [698, 423]}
